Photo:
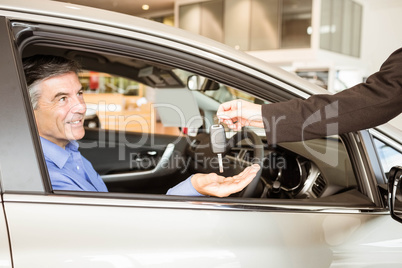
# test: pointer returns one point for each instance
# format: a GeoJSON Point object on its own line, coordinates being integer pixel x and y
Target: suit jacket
{"type": "Point", "coordinates": [363, 106]}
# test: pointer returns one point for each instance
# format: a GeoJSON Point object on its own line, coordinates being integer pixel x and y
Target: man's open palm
{"type": "Point", "coordinates": [214, 185]}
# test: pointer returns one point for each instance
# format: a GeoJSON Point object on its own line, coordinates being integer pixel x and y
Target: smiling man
{"type": "Point", "coordinates": [59, 107]}
{"type": "Point", "coordinates": [60, 117]}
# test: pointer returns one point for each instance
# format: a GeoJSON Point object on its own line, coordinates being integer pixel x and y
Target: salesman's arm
{"type": "Point", "coordinates": [360, 107]}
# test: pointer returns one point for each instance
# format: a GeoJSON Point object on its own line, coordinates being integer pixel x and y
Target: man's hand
{"type": "Point", "coordinates": [214, 185]}
{"type": "Point", "coordinates": [239, 113]}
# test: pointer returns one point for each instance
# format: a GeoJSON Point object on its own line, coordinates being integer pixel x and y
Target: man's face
{"type": "Point", "coordinates": [61, 109]}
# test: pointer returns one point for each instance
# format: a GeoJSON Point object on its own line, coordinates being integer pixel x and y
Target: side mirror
{"type": "Point", "coordinates": [196, 82]}
{"type": "Point", "coordinates": [395, 193]}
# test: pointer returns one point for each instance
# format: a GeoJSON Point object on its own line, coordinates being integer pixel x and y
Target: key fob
{"type": "Point", "coordinates": [218, 139]}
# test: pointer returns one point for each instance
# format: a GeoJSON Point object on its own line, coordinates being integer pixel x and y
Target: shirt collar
{"type": "Point", "coordinates": [72, 146]}
{"type": "Point", "coordinates": [55, 153]}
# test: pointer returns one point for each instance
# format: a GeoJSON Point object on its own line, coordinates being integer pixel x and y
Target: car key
{"type": "Point", "coordinates": [218, 142]}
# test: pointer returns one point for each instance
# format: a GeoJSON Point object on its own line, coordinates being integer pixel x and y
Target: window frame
{"type": "Point", "coordinates": [59, 35]}
{"type": "Point", "coordinates": [19, 122]}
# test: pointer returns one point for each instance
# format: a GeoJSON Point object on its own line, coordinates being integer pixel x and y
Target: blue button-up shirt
{"type": "Point", "coordinates": [69, 170]}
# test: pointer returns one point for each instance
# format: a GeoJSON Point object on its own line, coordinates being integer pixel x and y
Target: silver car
{"type": "Point", "coordinates": [155, 90]}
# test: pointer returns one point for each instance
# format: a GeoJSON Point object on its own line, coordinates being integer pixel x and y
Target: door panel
{"type": "Point", "coordinates": [67, 231]}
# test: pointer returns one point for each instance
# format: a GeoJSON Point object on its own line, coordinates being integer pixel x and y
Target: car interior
{"type": "Point", "coordinates": [147, 129]}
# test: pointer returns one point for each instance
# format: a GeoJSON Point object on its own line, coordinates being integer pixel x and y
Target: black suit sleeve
{"type": "Point", "coordinates": [363, 106]}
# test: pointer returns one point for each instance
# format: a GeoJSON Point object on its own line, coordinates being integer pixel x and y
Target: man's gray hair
{"type": "Point", "coordinates": [41, 67]}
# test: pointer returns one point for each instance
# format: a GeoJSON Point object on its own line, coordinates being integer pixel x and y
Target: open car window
{"type": "Point", "coordinates": [147, 130]}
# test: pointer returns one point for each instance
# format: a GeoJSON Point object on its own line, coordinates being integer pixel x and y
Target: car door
{"type": "Point", "coordinates": [82, 229]}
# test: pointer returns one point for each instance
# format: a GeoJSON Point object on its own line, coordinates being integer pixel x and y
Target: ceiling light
{"type": "Point", "coordinates": [145, 7]}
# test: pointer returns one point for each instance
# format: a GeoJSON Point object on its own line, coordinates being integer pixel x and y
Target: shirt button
{"type": "Point", "coordinates": [78, 167]}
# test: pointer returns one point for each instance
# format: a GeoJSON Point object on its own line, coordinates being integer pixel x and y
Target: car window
{"type": "Point", "coordinates": [389, 156]}
{"type": "Point", "coordinates": [146, 131]}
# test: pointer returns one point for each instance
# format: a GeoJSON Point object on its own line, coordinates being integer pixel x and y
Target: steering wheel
{"type": "Point", "coordinates": [258, 149]}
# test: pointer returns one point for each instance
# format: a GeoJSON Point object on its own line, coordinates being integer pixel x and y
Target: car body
{"type": "Point", "coordinates": [331, 210]}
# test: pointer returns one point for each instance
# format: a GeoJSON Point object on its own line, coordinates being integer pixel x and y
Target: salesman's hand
{"type": "Point", "coordinates": [239, 113]}
{"type": "Point", "coordinates": [214, 185]}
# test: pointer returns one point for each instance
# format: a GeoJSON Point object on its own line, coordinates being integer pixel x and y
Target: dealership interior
{"type": "Point", "coordinates": [332, 43]}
